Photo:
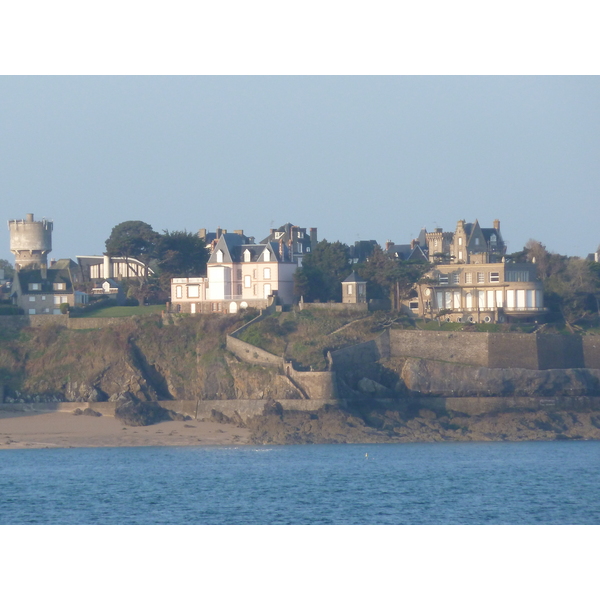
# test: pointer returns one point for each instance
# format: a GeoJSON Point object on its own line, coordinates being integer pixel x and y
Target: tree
{"type": "Point", "coordinates": [322, 272]}
{"type": "Point", "coordinates": [390, 277]}
{"type": "Point", "coordinates": [9, 270]}
{"type": "Point", "coordinates": [180, 254]}
{"type": "Point", "coordinates": [133, 239]}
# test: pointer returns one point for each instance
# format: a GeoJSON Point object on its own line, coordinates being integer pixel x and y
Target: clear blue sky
{"type": "Point", "coordinates": [357, 157]}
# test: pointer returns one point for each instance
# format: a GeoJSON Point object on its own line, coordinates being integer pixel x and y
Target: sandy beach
{"type": "Point", "coordinates": [20, 430]}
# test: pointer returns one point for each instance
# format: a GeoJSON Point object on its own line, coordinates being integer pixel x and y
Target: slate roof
{"type": "Point", "coordinates": [354, 278]}
{"type": "Point", "coordinates": [233, 247]}
{"type": "Point", "coordinates": [53, 276]}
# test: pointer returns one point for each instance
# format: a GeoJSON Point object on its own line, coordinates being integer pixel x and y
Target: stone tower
{"type": "Point", "coordinates": [30, 242]}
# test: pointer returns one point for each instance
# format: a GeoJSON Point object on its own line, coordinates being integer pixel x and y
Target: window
{"type": "Point", "coordinates": [32, 311]}
{"type": "Point", "coordinates": [267, 273]}
{"type": "Point", "coordinates": [350, 289]}
{"type": "Point", "coordinates": [477, 241]}
{"type": "Point", "coordinates": [59, 286]}
{"type": "Point", "coordinates": [255, 290]}
{"type": "Point", "coordinates": [239, 273]}
{"type": "Point", "coordinates": [493, 238]}
{"type": "Point", "coordinates": [468, 277]}
{"type": "Point", "coordinates": [278, 234]}
{"type": "Point", "coordinates": [239, 289]}
{"type": "Point", "coordinates": [266, 255]}
{"type": "Point", "coordinates": [193, 291]}
{"type": "Point", "coordinates": [443, 279]}
{"type": "Point", "coordinates": [247, 255]}
{"type": "Point", "coordinates": [460, 241]}
{"type": "Point", "coordinates": [247, 281]}
{"type": "Point", "coordinates": [178, 292]}
{"type": "Point", "coordinates": [219, 256]}
{"type": "Point", "coordinates": [413, 305]}
{"type": "Point", "coordinates": [64, 299]}
{"type": "Point", "coordinates": [455, 278]}
{"type": "Point", "coordinates": [480, 278]}
{"type": "Point", "coordinates": [460, 255]}
{"type": "Point", "coordinates": [31, 298]}
{"type": "Point", "coordinates": [34, 286]}
{"type": "Point", "coordinates": [299, 247]}
{"type": "Point", "coordinates": [517, 276]}
{"type": "Point", "coordinates": [255, 273]}
{"type": "Point", "coordinates": [494, 277]}
{"type": "Point", "coordinates": [43, 297]}
{"type": "Point", "coordinates": [267, 290]}
{"type": "Point", "coordinates": [57, 300]}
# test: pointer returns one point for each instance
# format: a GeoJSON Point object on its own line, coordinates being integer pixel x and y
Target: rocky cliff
{"type": "Point", "coordinates": [183, 360]}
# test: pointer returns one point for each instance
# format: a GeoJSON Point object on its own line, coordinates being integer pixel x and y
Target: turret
{"type": "Point", "coordinates": [30, 242]}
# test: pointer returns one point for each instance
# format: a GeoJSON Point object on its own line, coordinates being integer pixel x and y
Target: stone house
{"type": "Point", "coordinates": [42, 291]}
{"type": "Point", "coordinates": [471, 281]}
{"type": "Point", "coordinates": [239, 274]}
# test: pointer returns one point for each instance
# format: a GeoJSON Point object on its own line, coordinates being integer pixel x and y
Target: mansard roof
{"type": "Point", "coordinates": [233, 247]}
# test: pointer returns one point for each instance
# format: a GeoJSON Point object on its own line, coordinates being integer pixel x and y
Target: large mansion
{"type": "Point", "coordinates": [471, 280]}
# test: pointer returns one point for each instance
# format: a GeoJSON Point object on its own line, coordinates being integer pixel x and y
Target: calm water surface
{"type": "Point", "coordinates": [454, 483]}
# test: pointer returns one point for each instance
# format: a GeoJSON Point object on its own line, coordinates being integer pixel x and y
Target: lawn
{"type": "Point", "coordinates": [123, 311]}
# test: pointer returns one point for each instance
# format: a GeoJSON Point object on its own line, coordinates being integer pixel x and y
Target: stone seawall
{"type": "Point", "coordinates": [480, 406]}
{"type": "Point", "coordinates": [499, 350]}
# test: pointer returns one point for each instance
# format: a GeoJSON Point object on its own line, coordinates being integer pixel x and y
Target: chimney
{"type": "Point", "coordinates": [313, 235]}
{"type": "Point", "coordinates": [29, 217]}
{"type": "Point", "coordinates": [271, 231]}
{"type": "Point", "coordinates": [239, 231]}
{"type": "Point", "coordinates": [219, 232]}
{"type": "Point", "coordinates": [497, 224]}
{"type": "Point", "coordinates": [52, 262]}
{"type": "Point", "coordinates": [388, 245]}
{"type": "Point", "coordinates": [202, 233]}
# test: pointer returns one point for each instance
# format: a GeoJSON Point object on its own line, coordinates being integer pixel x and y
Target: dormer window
{"type": "Point", "coordinates": [477, 241]}
{"type": "Point", "coordinates": [219, 256]}
{"type": "Point", "coordinates": [59, 286]}
{"type": "Point", "coordinates": [247, 255]}
{"type": "Point", "coordinates": [34, 286]}
{"type": "Point", "coordinates": [266, 255]}
{"type": "Point", "coordinates": [278, 234]}
{"type": "Point", "coordinates": [493, 238]}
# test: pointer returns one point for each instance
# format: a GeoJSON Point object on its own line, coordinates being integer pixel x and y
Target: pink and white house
{"type": "Point", "coordinates": [240, 274]}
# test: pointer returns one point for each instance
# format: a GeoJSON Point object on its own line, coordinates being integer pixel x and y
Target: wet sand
{"type": "Point", "coordinates": [20, 430]}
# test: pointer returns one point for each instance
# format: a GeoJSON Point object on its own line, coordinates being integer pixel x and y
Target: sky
{"type": "Point", "coordinates": [357, 157]}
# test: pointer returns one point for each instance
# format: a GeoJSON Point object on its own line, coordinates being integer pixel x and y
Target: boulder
{"type": "Point", "coordinates": [134, 412]}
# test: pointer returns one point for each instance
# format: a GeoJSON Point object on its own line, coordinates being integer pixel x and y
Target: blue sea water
{"type": "Point", "coordinates": [442, 483]}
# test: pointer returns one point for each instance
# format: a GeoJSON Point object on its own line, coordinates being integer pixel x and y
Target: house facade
{"type": "Point", "coordinates": [472, 282]}
{"type": "Point", "coordinates": [42, 291]}
{"type": "Point", "coordinates": [239, 275]}
{"type": "Point", "coordinates": [102, 267]}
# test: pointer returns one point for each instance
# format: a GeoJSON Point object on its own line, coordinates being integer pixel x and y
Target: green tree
{"type": "Point", "coordinates": [322, 272]}
{"type": "Point", "coordinates": [9, 270]}
{"type": "Point", "coordinates": [133, 239]}
{"type": "Point", "coordinates": [390, 277]}
{"type": "Point", "coordinates": [180, 254]}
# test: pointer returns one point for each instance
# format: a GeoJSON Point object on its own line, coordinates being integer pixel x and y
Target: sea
{"type": "Point", "coordinates": [524, 483]}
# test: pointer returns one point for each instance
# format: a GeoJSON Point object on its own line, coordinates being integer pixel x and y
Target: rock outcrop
{"type": "Point", "coordinates": [447, 379]}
